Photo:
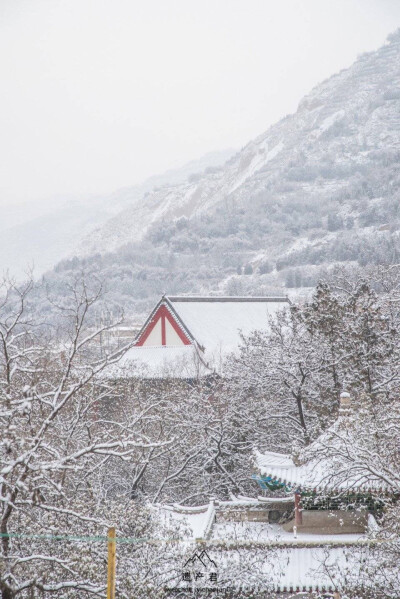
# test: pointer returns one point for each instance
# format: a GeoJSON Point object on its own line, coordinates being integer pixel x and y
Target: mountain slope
{"type": "Point", "coordinates": [319, 187]}
{"type": "Point", "coordinates": [59, 226]}
{"type": "Point", "coordinates": [132, 222]}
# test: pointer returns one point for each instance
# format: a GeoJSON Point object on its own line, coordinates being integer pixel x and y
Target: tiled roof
{"type": "Point", "coordinates": [285, 562]}
{"type": "Point", "coordinates": [322, 474]}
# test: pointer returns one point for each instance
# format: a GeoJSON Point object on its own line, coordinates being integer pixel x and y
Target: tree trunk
{"type": "Point", "coordinates": [6, 593]}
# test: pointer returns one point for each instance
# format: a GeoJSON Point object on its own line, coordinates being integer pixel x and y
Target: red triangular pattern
{"type": "Point", "coordinates": [163, 314]}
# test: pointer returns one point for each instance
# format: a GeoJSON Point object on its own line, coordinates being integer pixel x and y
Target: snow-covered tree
{"type": "Point", "coordinates": [53, 447]}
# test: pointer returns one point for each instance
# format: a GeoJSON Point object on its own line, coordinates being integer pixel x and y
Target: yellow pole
{"type": "Point", "coordinates": [112, 550]}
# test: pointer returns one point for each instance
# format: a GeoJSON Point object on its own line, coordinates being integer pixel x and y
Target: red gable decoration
{"type": "Point", "coordinates": [158, 324]}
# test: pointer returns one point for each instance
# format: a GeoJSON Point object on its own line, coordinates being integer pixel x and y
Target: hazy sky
{"type": "Point", "coordinates": [99, 94]}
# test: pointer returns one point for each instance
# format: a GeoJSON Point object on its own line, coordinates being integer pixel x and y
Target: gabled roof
{"type": "Point", "coordinates": [204, 330]}
{"type": "Point", "coordinates": [216, 323]}
{"type": "Point", "coordinates": [164, 306]}
{"type": "Point", "coordinates": [214, 320]}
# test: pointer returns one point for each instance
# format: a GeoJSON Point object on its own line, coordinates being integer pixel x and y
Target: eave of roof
{"type": "Point", "coordinates": [278, 469]}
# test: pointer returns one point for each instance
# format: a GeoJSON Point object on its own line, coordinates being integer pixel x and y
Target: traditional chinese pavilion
{"type": "Point", "coordinates": [323, 550]}
{"type": "Point", "coordinates": [328, 496]}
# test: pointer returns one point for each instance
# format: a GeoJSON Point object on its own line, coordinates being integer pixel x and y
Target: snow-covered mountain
{"type": "Point", "coordinates": [337, 129]}
{"type": "Point", "coordinates": [41, 234]}
{"type": "Point", "coordinates": [321, 186]}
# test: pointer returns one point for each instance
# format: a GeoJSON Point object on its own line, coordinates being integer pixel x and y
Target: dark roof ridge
{"type": "Point", "coordinates": [166, 300]}
{"type": "Point", "coordinates": [219, 298]}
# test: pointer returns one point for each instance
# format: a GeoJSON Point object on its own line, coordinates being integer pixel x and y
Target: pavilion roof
{"type": "Point", "coordinates": [322, 466]}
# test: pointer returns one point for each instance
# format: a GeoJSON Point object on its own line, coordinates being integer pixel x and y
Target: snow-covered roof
{"type": "Point", "coordinates": [317, 475]}
{"type": "Point", "coordinates": [276, 468]}
{"type": "Point", "coordinates": [278, 460]}
{"type": "Point", "coordinates": [311, 568]}
{"type": "Point", "coordinates": [150, 362]}
{"type": "Point", "coordinates": [216, 322]}
{"type": "Point", "coordinates": [303, 561]}
{"type": "Point", "coordinates": [202, 523]}
{"type": "Point", "coordinates": [190, 336]}
{"type": "Point", "coordinates": [322, 466]}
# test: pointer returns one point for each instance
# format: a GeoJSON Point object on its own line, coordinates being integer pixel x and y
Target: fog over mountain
{"type": "Point", "coordinates": [40, 235]}
{"type": "Point", "coordinates": [320, 187]}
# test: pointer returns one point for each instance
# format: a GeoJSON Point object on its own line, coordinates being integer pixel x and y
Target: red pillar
{"type": "Point", "coordinates": [298, 515]}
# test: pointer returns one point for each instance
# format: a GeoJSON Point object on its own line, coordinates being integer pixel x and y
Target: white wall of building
{"type": "Point", "coordinates": [154, 339]}
{"type": "Point", "coordinates": [172, 337]}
